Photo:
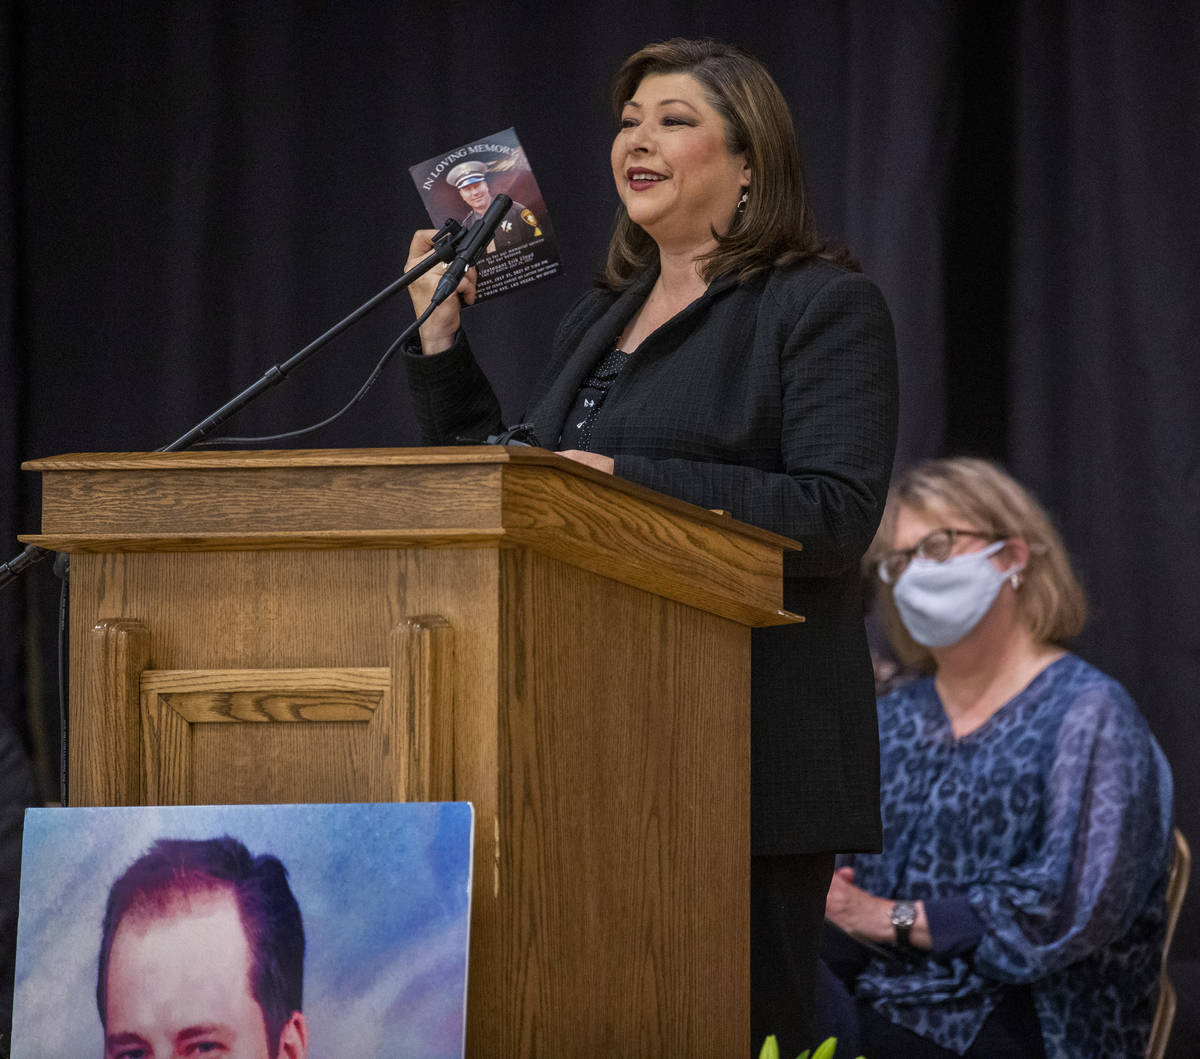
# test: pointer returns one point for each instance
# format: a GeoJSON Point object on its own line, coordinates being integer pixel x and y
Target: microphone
{"type": "Point", "coordinates": [476, 239]}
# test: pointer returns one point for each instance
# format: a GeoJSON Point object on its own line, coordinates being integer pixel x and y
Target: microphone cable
{"type": "Point", "coordinates": [473, 242]}
{"type": "Point", "coordinates": [362, 392]}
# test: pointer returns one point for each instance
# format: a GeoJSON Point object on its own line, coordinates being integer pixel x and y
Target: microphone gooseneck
{"type": "Point", "coordinates": [476, 239]}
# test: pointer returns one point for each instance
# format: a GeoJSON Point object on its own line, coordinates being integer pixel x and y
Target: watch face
{"type": "Point", "coordinates": [903, 914]}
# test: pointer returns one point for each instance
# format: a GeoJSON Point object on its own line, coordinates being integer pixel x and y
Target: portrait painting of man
{"type": "Point", "coordinates": [202, 952]}
{"type": "Point", "coordinates": [244, 932]}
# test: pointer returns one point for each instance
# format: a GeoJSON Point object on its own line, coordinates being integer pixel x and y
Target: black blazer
{"type": "Point", "coordinates": [773, 399]}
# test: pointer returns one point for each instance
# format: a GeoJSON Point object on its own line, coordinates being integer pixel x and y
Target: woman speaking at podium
{"type": "Point", "coordinates": [732, 358]}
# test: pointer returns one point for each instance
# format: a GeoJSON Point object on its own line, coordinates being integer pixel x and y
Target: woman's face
{"type": "Point", "coordinates": [943, 606]}
{"type": "Point", "coordinates": [913, 526]}
{"type": "Point", "coordinates": [672, 167]}
{"type": "Point", "coordinates": [923, 530]}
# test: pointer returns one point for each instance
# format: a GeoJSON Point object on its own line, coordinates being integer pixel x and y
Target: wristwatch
{"type": "Point", "coordinates": [903, 915]}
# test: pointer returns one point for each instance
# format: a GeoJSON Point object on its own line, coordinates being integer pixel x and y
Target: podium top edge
{"type": "Point", "coordinates": [236, 458]}
{"type": "Point", "coordinates": [447, 456]}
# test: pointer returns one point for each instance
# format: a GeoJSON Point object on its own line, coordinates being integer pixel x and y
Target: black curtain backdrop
{"type": "Point", "coordinates": [191, 191]}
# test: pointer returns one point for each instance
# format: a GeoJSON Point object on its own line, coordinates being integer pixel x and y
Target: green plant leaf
{"type": "Point", "coordinates": [826, 1049]}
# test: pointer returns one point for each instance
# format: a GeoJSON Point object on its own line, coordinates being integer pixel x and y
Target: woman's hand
{"type": "Point", "coordinates": [590, 459]}
{"type": "Point", "coordinates": [437, 333]}
{"type": "Point", "coordinates": [856, 911]}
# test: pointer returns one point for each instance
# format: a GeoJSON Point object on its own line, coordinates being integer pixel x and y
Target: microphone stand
{"type": "Point", "coordinates": [15, 567]}
{"type": "Point", "coordinates": [445, 244]}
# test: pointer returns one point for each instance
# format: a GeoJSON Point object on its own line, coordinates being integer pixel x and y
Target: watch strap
{"type": "Point", "coordinates": [903, 915]}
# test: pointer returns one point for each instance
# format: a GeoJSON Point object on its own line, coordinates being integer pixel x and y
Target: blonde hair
{"type": "Point", "coordinates": [1051, 601]}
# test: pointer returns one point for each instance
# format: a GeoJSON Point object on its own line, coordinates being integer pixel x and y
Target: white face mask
{"type": "Point", "coordinates": [940, 603]}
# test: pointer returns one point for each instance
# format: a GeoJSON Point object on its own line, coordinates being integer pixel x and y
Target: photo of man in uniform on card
{"type": "Point", "coordinates": [202, 953]}
{"type": "Point", "coordinates": [518, 226]}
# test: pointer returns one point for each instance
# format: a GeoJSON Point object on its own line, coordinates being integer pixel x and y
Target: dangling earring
{"type": "Point", "coordinates": [741, 206]}
{"type": "Point", "coordinates": [1015, 581]}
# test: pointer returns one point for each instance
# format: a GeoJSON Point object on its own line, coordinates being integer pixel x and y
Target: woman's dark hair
{"type": "Point", "coordinates": [173, 870]}
{"type": "Point", "coordinates": [776, 226]}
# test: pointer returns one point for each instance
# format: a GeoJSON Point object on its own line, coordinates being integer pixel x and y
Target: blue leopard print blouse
{"type": "Point", "coordinates": [1053, 819]}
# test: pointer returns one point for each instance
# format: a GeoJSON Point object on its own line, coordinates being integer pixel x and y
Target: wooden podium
{"type": "Point", "coordinates": [568, 651]}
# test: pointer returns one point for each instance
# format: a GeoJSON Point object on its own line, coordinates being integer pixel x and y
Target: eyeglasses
{"type": "Point", "coordinates": [937, 547]}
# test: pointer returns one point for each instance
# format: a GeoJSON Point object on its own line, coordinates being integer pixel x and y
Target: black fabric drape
{"type": "Point", "coordinates": [13, 604]}
{"type": "Point", "coordinates": [1104, 395]}
{"type": "Point", "coordinates": [192, 191]}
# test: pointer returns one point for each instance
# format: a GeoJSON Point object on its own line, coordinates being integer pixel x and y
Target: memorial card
{"type": "Point", "coordinates": [460, 185]}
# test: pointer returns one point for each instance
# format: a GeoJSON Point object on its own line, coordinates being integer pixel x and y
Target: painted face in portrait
{"type": "Point", "coordinates": [179, 986]}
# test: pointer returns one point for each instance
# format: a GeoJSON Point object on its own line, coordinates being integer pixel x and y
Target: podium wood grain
{"type": "Point", "coordinates": [569, 653]}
